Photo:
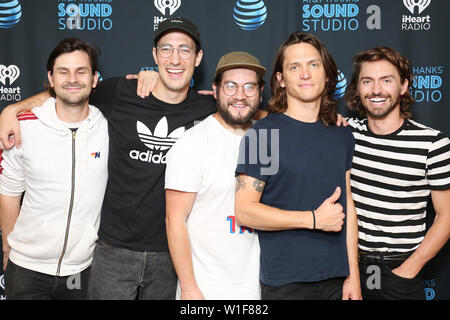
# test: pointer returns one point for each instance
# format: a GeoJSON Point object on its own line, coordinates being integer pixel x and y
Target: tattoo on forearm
{"type": "Point", "coordinates": [258, 185]}
{"type": "Point", "coordinates": [240, 183]}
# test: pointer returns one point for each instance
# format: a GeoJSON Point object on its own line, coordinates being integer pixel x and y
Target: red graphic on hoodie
{"type": "Point", "coordinates": [28, 115]}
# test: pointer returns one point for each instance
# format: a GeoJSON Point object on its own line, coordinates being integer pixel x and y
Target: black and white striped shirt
{"type": "Point", "coordinates": [391, 179]}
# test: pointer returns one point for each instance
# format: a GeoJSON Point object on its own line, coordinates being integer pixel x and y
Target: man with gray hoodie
{"type": "Point", "coordinates": [49, 239]}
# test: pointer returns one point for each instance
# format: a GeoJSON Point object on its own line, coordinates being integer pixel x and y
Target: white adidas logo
{"type": "Point", "coordinates": [158, 140]}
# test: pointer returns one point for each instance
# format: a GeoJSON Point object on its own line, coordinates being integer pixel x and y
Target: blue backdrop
{"type": "Point", "coordinates": [124, 29]}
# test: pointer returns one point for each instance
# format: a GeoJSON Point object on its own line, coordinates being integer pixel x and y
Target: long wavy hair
{"type": "Point", "coordinates": [278, 102]}
{"type": "Point", "coordinates": [401, 63]}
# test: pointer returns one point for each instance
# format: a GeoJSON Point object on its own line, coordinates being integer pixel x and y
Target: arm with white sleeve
{"type": "Point", "coordinates": [12, 185]}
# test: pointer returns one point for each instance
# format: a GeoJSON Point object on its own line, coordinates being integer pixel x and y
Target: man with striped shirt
{"type": "Point", "coordinates": [397, 164]}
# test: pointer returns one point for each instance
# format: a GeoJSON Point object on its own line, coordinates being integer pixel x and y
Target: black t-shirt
{"type": "Point", "coordinates": [141, 132]}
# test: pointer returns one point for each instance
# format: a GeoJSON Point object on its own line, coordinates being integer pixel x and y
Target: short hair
{"type": "Point", "coordinates": [278, 102]}
{"type": "Point", "coordinates": [69, 45]}
{"type": "Point", "coordinates": [401, 63]}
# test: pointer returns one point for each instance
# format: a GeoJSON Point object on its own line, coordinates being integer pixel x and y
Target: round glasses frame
{"type": "Point", "coordinates": [230, 88]}
{"type": "Point", "coordinates": [166, 51]}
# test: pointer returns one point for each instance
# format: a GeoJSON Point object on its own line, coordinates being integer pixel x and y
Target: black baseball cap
{"type": "Point", "coordinates": [180, 24]}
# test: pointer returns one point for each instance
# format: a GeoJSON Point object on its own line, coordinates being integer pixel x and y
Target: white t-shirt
{"type": "Point", "coordinates": [225, 256]}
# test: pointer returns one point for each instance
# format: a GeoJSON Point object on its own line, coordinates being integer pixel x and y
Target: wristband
{"type": "Point", "coordinates": [314, 220]}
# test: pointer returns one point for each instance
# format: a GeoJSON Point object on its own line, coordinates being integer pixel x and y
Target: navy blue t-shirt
{"type": "Point", "coordinates": [312, 162]}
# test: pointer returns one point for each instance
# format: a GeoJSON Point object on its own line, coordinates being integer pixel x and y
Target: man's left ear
{"type": "Point", "coordinates": [95, 81]}
{"type": "Point", "coordinates": [405, 87]}
{"type": "Point", "coordinates": [198, 58]}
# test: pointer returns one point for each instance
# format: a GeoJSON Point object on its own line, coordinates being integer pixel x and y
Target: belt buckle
{"type": "Point", "coordinates": [368, 258]}
{"type": "Point", "coordinates": [397, 257]}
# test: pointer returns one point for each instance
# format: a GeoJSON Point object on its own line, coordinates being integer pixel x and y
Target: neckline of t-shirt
{"type": "Point", "coordinates": [299, 123]}
{"type": "Point", "coordinates": [189, 97]}
{"type": "Point", "coordinates": [396, 132]}
{"type": "Point", "coordinates": [222, 128]}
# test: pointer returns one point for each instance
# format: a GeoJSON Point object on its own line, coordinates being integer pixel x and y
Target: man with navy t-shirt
{"type": "Point", "coordinates": [292, 181]}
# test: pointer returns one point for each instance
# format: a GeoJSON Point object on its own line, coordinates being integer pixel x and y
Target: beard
{"type": "Point", "coordinates": [74, 100]}
{"type": "Point", "coordinates": [382, 113]}
{"type": "Point", "coordinates": [223, 108]}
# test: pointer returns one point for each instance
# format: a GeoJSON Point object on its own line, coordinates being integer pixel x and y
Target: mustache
{"type": "Point", "coordinates": [377, 96]}
{"type": "Point", "coordinates": [73, 85]}
{"type": "Point", "coordinates": [244, 101]}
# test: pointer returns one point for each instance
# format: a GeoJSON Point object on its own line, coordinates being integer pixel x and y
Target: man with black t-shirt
{"type": "Point", "coordinates": [132, 259]}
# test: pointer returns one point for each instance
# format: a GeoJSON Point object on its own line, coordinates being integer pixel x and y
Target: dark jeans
{"type": "Point", "coordinates": [25, 284]}
{"type": "Point", "coordinates": [378, 282]}
{"type": "Point", "coordinates": [122, 274]}
{"type": "Point", "coordinates": [330, 289]}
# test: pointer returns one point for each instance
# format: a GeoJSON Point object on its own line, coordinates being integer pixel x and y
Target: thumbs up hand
{"type": "Point", "coordinates": [330, 215]}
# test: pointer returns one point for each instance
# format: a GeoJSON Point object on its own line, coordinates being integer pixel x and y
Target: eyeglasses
{"type": "Point", "coordinates": [230, 88]}
{"type": "Point", "coordinates": [166, 51]}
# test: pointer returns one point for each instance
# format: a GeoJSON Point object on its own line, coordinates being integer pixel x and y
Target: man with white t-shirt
{"type": "Point", "coordinates": [213, 256]}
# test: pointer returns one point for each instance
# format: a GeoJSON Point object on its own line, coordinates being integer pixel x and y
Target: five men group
{"type": "Point", "coordinates": [285, 232]}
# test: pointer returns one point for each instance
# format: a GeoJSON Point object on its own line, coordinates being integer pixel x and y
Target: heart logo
{"type": "Point", "coordinates": [412, 4]}
{"type": "Point", "coordinates": [162, 5]}
{"type": "Point", "coordinates": [11, 72]}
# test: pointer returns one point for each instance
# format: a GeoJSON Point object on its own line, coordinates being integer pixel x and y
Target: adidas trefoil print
{"type": "Point", "coordinates": [157, 142]}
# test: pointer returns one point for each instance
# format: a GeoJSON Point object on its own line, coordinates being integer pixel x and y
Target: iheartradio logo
{"type": "Point", "coordinates": [11, 72]}
{"type": "Point", "coordinates": [162, 5]}
{"type": "Point", "coordinates": [412, 4]}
